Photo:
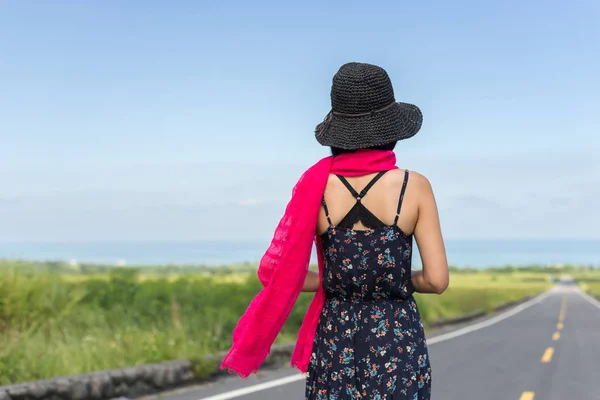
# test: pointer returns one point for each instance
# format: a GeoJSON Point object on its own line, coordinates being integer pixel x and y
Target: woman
{"type": "Point", "coordinates": [362, 336]}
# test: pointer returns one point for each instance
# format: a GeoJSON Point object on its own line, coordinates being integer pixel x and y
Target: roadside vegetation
{"type": "Point", "coordinates": [57, 320]}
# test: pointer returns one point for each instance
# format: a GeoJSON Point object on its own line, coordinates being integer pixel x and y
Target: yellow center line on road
{"type": "Point", "coordinates": [547, 357]}
{"type": "Point", "coordinates": [561, 316]}
{"type": "Point", "coordinates": [527, 396]}
{"type": "Point", "coordinates": [556, 336]}
{"type": "Point", "coordinates": [563, 309]}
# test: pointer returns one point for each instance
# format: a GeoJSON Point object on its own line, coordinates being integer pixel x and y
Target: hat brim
{"type": "Point", "coordinates": [399, 122]}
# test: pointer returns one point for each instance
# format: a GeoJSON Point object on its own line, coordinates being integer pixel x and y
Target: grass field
{"type": "Point", "coordinates": [480, 291]}
{"type": "Point", "coordinates": [61, 323]}
{"type": "Point", "coordinates": [589, 281]}
{"type": "Point", "coordinates": [594, 290]}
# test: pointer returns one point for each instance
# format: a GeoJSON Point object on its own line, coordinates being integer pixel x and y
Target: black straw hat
{"type": "Point", "coordinates": [364, 112]}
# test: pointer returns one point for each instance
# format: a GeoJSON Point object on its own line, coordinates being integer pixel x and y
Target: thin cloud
{"type": "Point", "coordinates": [561, 201]}
{"type": "Point", "coordinates": [251, 202]}
{"type": "Point", "coordinates": [475, 201]}
{"type": "Point", "coordinates": [7, 201]}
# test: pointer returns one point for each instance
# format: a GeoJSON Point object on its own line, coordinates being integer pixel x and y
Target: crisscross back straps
{"type": "Point", "coordinates": [363, 192]}
{"type": "Point", "coordinates": [401, 197]}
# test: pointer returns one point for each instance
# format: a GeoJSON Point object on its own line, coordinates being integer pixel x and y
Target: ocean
{"type": "Point", "coordinates": [462, 253]}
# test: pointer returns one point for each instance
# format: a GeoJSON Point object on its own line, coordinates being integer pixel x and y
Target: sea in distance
{"type": "Point", "coordinates": [461, 253]}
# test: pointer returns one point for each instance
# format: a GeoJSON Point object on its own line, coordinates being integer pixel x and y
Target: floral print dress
{"type": "Point", "coordinates": [370, 342]}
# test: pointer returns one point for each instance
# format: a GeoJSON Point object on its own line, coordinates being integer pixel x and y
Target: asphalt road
{"type": "Point", "coordinates": [546, 349]}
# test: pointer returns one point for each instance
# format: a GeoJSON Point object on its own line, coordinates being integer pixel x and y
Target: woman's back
{"type": "Point", "coordinates": [418, 217]}
{"type": "Point", "coordinates": [381, 199]}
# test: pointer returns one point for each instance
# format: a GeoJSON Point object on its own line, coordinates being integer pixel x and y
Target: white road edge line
{"type": "Point", "coordinates": [589, 298]}
{"type": "Point", "coordinates": [436, 339]}
{"type": "Point", "coordinates": [256, 388]}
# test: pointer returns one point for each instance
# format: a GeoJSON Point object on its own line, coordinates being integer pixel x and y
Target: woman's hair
{"type": "Point", "coordinates": [336, 151]}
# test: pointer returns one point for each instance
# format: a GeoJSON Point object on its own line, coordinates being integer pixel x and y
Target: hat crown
{"type": "Point", "coordinates": [361, 88]}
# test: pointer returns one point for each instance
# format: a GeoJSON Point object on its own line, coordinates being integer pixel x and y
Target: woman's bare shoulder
{"type": "Point", "coordinates": [420, 181]}
{"type": "Point", "coordinates": [416, 180]}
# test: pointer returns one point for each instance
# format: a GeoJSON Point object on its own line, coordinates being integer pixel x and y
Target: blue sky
{"type": "Point", "coordinates": [193, 119]}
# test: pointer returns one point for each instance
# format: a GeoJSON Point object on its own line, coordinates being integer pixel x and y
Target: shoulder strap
{"type": "Point", "coordinates": [401, 197]}
{"type": "Point", "coordinates": [363, 192]}
{"type": "Point", "coordinates": [326, 211]}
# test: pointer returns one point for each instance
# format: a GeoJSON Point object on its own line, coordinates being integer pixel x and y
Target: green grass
{"type": "Point", "coordinates": [56, 322]}
{"type": "Point", "coordinates": [482, 290]}
{"type": "Point", "coordinates": [50, 326]}
{"type": "Point", "coordinates": [589, 281]}
{"type": "Point", "coordinates": [594, 290]}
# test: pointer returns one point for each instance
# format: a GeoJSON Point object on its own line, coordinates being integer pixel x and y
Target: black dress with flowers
{"type": "Point", "coordinates": [370, 342]}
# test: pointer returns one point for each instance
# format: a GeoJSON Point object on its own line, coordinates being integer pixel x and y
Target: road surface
{"type": "Point", "coordinates": [545, 349]}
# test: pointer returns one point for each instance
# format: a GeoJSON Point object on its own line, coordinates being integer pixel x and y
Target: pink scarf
{"type": "Point", "coordinates": [284, 266]}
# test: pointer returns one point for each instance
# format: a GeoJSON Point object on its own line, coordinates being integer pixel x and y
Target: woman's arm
{"type": "Point", "coordinates": [420, 284]}
{"type": "Point", "coordinates": [311, 282]}
{"type": "Point", "coordinates": [434, 278]}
